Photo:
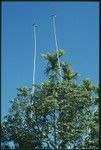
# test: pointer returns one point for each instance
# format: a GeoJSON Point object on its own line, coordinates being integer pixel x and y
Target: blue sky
{"type": "Point", "coordinates": [77, 25]}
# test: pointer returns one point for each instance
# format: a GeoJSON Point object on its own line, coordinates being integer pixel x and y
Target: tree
{"type": "Point", "coordinates": [59, 115]}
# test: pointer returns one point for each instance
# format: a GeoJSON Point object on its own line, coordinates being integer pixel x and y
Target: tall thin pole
{"type": "Point", "coordinates": [57, 48]}
{"type": "Point", "coordinates": [56, 44]}
{"type": "Point", "coordinates": [34, 67]}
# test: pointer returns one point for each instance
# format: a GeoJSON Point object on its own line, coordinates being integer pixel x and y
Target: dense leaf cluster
{"type": "Point", "coordinates": [58, 115]}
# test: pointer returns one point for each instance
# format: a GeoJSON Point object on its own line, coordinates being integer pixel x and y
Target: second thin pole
{"type": "Point", "coordinates": [34, 67]}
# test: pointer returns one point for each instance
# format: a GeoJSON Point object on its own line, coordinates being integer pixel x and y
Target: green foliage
{"type": "Point", "coordinates": [52, 65]}
{"type": "Point", "coordinates": [68, 73]}
{"type": "Point", "coordinates": [59, 115]}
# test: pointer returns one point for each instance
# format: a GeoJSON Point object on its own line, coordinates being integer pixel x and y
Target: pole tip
{"type": "Point", "coordinates": [34, 24]}
{"type": "Point", "coordinates": [53, 15]}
